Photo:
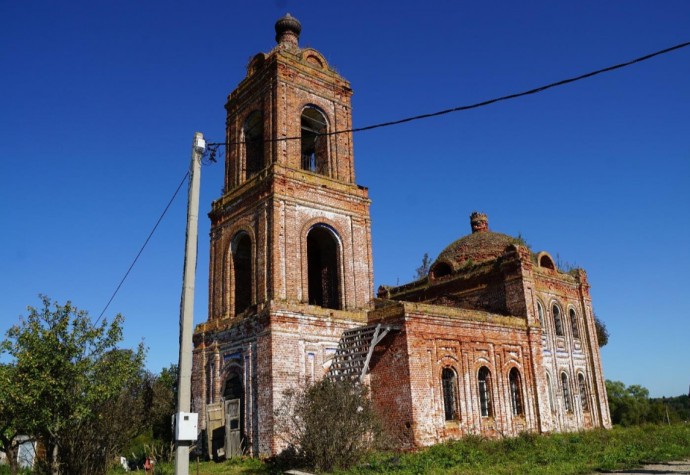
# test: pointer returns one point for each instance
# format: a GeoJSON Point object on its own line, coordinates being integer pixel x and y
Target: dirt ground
{"type": "Point", "coordinates": [679, 467]}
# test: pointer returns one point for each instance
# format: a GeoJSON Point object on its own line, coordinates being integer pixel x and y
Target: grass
{"type": "Point", "coordinates": [574, 453]}
{"type": "Point", "coordinates": [561, 454]}
{"type": "Point", "coordinates": [235, 466]}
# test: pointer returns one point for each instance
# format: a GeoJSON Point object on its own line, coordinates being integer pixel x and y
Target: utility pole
{"type": "Point", "coordinates": [184, 375]}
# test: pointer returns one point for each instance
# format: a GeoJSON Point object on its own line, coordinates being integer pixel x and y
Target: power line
{"type": "Point", "coordinates": [160, 218]}
{"type": "Point", "coordinates": [482, 103]}
{"type": "Point", "coordinates": [213, 147]}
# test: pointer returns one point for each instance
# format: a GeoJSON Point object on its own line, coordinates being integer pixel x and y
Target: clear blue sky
{"type": "Point", "coordinates": [100, 101]}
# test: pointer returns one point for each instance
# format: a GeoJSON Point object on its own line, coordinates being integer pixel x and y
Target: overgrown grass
{"type": "Point", "coordinates": [557, 454]}
{"type": "Point", "coordinates": [575, 453]}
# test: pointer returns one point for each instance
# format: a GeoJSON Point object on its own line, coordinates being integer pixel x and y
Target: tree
{"type": "Point", "coordinates": [602, 331]}
{"type": "Point", "coordinates": [11, 425]}
{"type": "Point", "coordinates": [163, 400]}
{"type": "Point", "coordinates": [328, 425]}
{"type": "Point", "coordinates": [423, 270]}
{"type": "Point", "coordinates": [629, 405]}
{"type": "Point", "coordinates": [70, 378]}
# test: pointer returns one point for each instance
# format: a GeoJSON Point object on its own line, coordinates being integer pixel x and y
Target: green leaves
{"type": "Point", "coordinates": [64, 370]}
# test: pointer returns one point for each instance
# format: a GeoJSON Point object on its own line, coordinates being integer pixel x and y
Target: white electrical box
{"type": "Point", "coordinates": [186, 425]}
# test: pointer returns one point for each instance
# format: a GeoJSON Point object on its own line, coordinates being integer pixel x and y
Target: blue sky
{"type": "Point", "coordinates": [100, 101]}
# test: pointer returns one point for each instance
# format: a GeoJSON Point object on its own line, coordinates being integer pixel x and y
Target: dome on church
{"type": "Point", "coordinates": [288, 28]}
{"type": "Point", "coordinates": [477, 247]}
{"type": "Point", "coordinates": [480, 246]}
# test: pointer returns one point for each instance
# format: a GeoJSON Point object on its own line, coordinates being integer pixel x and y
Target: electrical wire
{"type": "Point", "coordinates": [212, 146]}
{"type": "Point", "coordinates": [483, 103]}
{"type": "Point", "coordinates": [160, 218]}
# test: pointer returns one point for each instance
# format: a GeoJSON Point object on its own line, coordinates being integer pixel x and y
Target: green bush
{"type": "Point", "coordinates": [330, 424]}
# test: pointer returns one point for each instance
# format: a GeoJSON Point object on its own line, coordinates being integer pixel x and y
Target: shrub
{"type": "Point", "coordinates": [328, 425]}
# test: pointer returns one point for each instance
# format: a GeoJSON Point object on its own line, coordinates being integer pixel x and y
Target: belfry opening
{"type": "Point", "coordinates": [322, 262]}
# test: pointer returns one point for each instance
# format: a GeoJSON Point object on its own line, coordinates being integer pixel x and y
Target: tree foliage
{"type": "Point", "coordinates": [423, 270]}
{"type": "Point", "coordinates": [602, 332]}
{"type": "Point", "coordinates": [162, 402]}
{"type": "Point", "coordinates": [71, 386]}
{"type": "Point", "coordinates": [632, 405]}
{"type": "Point", "coordinates": [628, 405]}
{"type": "Point", "coordinates": [11, 424]}
{"type": "Point", "coordinates": [328, 425]}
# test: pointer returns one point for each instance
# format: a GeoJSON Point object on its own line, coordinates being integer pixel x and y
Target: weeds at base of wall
{"type": "Point", "coordinates": [572, 453]}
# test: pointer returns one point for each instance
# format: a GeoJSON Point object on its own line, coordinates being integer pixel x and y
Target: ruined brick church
{"type": "Point", "coordinates": [495, 340]}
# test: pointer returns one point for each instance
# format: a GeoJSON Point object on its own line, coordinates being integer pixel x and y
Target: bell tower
{"type": "Point", "coordinates": [292, 226]}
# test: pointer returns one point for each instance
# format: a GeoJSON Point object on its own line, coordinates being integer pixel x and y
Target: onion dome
{"type": "Point", "coordinates": [288, 29]}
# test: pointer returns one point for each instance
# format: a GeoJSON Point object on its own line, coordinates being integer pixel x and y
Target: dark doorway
{"type": "Point", "coordinates": [233, 396]}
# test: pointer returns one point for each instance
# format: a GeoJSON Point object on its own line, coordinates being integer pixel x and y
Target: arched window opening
{"type": "Point", "coordinates": [515, 392]}
{"type": "Point", "coordinates": [573, 324]}
{"type": "Point", "coordinates": [540, 314]}
{"type": "Point", "coordinates": [449, 381]}
{"type": "Point", "coordinates": [549, 388]}
{"type": "Point", "coordinates": [557, 320]}
{"type": "Point", "coordinates": [322, 262]}
{"type": "Point", "coordinates": [440, 269]}
{"type": "Point", "coordinates": [485, 405]}
{"type": "Point", "coordinates": [254, 143]}
{"type": "Point", "coordinates": [545, 261]}
{"type": "Point", "coordinates": [567, 402]}
{"type": "Point", "coordinates": [314, 145]}
{"type": "Point", "coordinates": [242, 266]}
{"type": "Point", "coordinates": [584, 395]}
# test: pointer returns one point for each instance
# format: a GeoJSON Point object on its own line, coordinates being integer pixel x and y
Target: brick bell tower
{"type": "Point", "coordinates": [290, 265]}
{"type": "Point", "coordinates": [292, 224]}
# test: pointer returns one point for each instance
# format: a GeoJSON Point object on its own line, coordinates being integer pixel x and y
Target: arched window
{"type": "Point", "coordinates": [549, 388]}
{"type": "Point", "coordinates": [322, 262]}
{"type": "Point", "coordinates": [567, 402]}
{"type": "Point", "coordinates": [557, 320]}
{"type": "Point", "coordinates": [314, 145]}
{"type": "Point", "coordinates": [540, 314]}
{"type": "Point", "coordinates": [584, 396]}
{"type": "Point", "coordinates": [573, 324]}
{"type": "Point", "coordinates": [485, 405]}
{"type": "Point", "coordinates": [254, 143]}
{"type": "Point", "coordinates": [449, 381]}
{"type": "Point", "coordinates": [440, 269]}
{"type": "Point", "coordinates": [242, 266]}
{"type": "Point", "coordinates": [515, 392]}
{"type": "Point", "coordinates": [546, 261]}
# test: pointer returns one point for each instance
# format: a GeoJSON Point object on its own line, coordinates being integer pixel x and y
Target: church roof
{"type": "Point", "coordinates": [476, 247]}
{"type": "Point", "coordinates": [481, 246]}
